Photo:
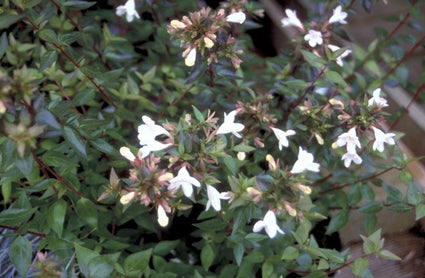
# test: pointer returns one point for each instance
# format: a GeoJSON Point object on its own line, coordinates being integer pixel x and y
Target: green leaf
{"type": "Point", "coordinates": [84, 255]}
{"type": "Point", "coordinates": [371, 207]}
{"type": "Point", "coordinates": [102, 266]}
{"type": "Point", "coordinates": [75, 141]}
{"type": "Point", "coordinates": [359, 265]}
{"type": "Point", "coordinates": [6, 189]}
{"type": "Point", "coordinates": [15, 217]}
{"type": "Point", "coordinates": [369, 222]}
{"type": "Point", "coordinates": [238, 252]}
{"type": "Point", "coordinates": [385, 254]}
{"type": "Point", "coordinates": [335, 77]}
{"type": "Point", "coordinates": [313, 59]}
{"type": "Point", "coordinates": [8, 19]}
{"type": "Point", "coordinates": [137, 263]}
{"type": "Point", "coordinates": [267, 269]}
{"type": "Point", "coordinates": [103, 146]}
{"type": "Point", "coordinates": [419, 211]}
{"type": "Point", "coordinates": [79, 5]}
{"type": "Point", "coordinates": [399, 207]}
{"type": "Point", "coordinates": [243, 148]}
{"type": "Point", "coordinates": [414, 193]}
{"type": "Point", "coordinates": [290, 253]}
{"type": "Point", "coordinates": [255, 237]}
{"type": "Point", "coordinates": [20, 254]}
{"type": "Point", "coordinates": [165, 246]}
{"type": "Point", "coordinates": [198, 114]}
{"type": "Point", "coordinates": [56, 216]}
{"type": "Point", "coordinates": [337, 222]}
{"type": "Point", "coordinates": [3, 43]}
{"type": "Point", "coordinates": [87, 211]}
{"type": "Point", "coordinates": [47, 59]}
{"type": "Point", "coordinates": [207, 256]}
{"type": "Point", "coordinates": [394, 195]}
{"type": "Point", "coordinates": [48, 35]}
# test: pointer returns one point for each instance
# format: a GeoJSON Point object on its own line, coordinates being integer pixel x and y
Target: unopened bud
{"type": "Point", "coordinates": [124, 151]}
{"type": "Point", "coordinates": [238, 17]}
{"type": "Point", "coordinates": [177, 24]}
{"type": "Point", "coordinates": [290, 209]}
{"type": "Point", "coordinates": [334, 102]}
{"type": "Point", "coordinates": [304, 188]}
{"type": "Point", "coordinates": [165, 177]}
{"type": "Point", "coordinates": [125, 199]}
{"type": "Point", "coordinates": [208, 42]}
{"type": "Point", "coordinates": [241, 156]}
{"type": "Point", "coordinates": [162, 217]}
{"type": "Point", "coordinates": [319, 138]}
{"type": "Point", "coordinates": [272, 162]}
{"type": "Point", "coordinates": [190, 58]}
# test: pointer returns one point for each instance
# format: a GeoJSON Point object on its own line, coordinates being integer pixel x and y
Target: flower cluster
{"type": "Point", "coordinates": [350, 140]}
{"type": "Point", "coordinates": [315, 36]}
{"type": "Point", "coordinates": [206, 32]}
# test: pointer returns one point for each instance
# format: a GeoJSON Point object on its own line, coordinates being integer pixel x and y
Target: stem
{"type": "Point", "coordinates": [75, 24]}
{"type": "Point", "coordinates": [175, 102]}
{"type": "Point", "coordinates": [27, 232]}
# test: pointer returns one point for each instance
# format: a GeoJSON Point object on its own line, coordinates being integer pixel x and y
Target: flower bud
{"type": "Point", "coordinates": [190, 58]}
{"type": "Point", "coordinates": [125, 199]}
{"type": "Point", "coordinates": [177, 24]}
{"type": "Point", "coordinates": [272, 162]}
{"type": "Point", "coordinates": [124, 151]}
{"type": "Point", "coordinates": [241, 156]}
{"type": "Point", "coordinates": [162, 217]}
{"type": "Point", "coordinates": [304, 188]}
{"type": "Point", "coordinates": [238, 17]}
{"type": "Point", "coordinates": [208, 42]}
{"type": "Point", "coordinates": [165, 177]}
{"type": "Point", "coordinates": [290, 209]}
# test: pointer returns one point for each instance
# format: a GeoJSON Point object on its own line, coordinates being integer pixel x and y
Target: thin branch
{"type": "Point", "coordinates": [27, 232]}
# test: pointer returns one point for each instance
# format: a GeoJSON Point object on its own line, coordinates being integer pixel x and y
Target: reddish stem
{"type": "Point", "coordinates": [27, 232]}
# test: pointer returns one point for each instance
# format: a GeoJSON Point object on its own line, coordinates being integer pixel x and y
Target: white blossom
{"type": "Point", "coordinates": [229, 125]}
{"type": "Point", "coordinates": [292, 19]}
{"type": "Point", "coordinates": [351, 157]}
{"type": "Point", "coordinates": [185, 181]}
{"type": "Point", "coordinates": [162, 216]}
{"type": "Point", "coordinates": [376, 100]}
{"type": "Point", "coordinates": [381, 138]}
{"type": "Point", "coordinates": [214, 198]}
{"type": "Point", "coordinates": [268, 224]}
{"type": "Point", "coordinates": [126, 198]}
{"type": "Point", "coordinates": [313, 38]}
{"type": "Point", "coordinates": [152, 146]}
{"type": "Point", "coordinates": [129, 9]}
{"type": "Point", "coordinates": [238, 17]}
{"type": "Point", "coordinates": [338, 16]}
{"type": "Point", "coordinates": [344, 54]}
{"type": "Point", "coordinates": [190, 58]}
{"type": "Point", "coordinates": [304, 162]}
{"type": "Point", "coordinates": [281, 136]}
{"type": "Point", "coordinates": [149, 130]}
{"type": "Point", "coordinates": [349, 139]}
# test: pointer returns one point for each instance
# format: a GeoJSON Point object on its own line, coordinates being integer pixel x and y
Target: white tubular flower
{"type": "Point", "coordinates": [152, 146]}
{"type": "Point", "coordinates": [281, 136]}
{"type": "Point", "coordinates": [344, 54]}
{"type": "Point", "coordinates": [292, 19]}
{"type": "Point", "coordinates": [229, 125]}
{"type": "Point", "coordinates": [214, 198]}
{"type": "Point", "coordinates": [351, 157]}
{"type": "Point", "coordinates": [129, 9]}
{"type": "Point", "coordinates": [124, 151]}
{"type": "Point", "coordinates": [149, 130]}
{"type": "Point", "coordinates": [208, 42]}
{"type": "Point", "coordinates": [190, 57]}
{"type": "Point", "coordinates": [162, 217]}
{"type": "Point", "coordinates": [338, 16]}
{"type": "Point", "coordinates": [350, 139]}
{"type": "Point", "coordinates": [381, 138]}
{"type": "Point", "coordinates": [313, 38]}
{"type": "Point", "coordinates": [376, 100]}
{"type": "Point", "coordinates": [185, 181]}
{"type": "Point", "coordinates": [238, 17]}
{"type": "Point", "coordinates": [304, 162]}
{"type": "Point", "coordinates": [269, 224]}
{"type": "Point", "coordinates": [125, 199]}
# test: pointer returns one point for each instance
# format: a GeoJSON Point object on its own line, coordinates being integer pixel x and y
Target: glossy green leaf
{"type": "Point", "coordinates": [47, 59]}
{"type": "Point", "coordinates": [335, 77]}
{"type": "Point", "coordinates": [56, 217]}
{"type": "Point", "coordinates": [267, 269]}
{"type": "Point", "coordinates": [137, 263]}
{"type": "Point", "coordinates": [80, 5]}
{"type": "Point", "coordinates": [75, 141]}
{"type": "Point", "coordinates": [338, 221]}
{"type": "Point", "coordinates": [359, 265]}
{"type": "Point", "coordinates": [419, 211]}
{"type": "Point", "coordinates": [15, 217]}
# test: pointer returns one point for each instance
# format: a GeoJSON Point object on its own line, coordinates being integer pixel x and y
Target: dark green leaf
{"type": "Point", "coordinates": [335, 77]}
{"type": "Point", "coordinates": [238, 252]}
{"type": "Point", "coordinates": [45, 117]}
{"type": "Point", "coordinates": [290, 253]}
{"type": "Point", "coordinates": [79, 5]}
{"type": "Point", "coordinates": [56, 216]}
{"type": "Point", "coordinates": [165, 246]}
{"type": "Point", "coordinates": [47, 59]}
{"type": "Point", "coordinates": [87, 211]}
{"type": "Point", "coordinates": [3, 44]}
{"type": "Point", "coordinates": [369, 222]}
{"type": "Point", "coordinates": [8, 19]}
{"type": "Point", "coordinates": [371, 207]}
{"type": "Point", "coordinates": [399, 207]}
{"type": "Point", "coordinates": [20, 254]}
{"type": "Point", "coordinates": [420, 211]}
{"type": "Point", "coordinates": [75, 141]}
{"type": "Point", "coordinates": [337, 222]}
{"type": "Point", "coordinates": [198, 114]}
{"type": "Point", "coordinates": [84, 255]}
{"type": "Point", "coordinates": [137, 263]}
{"type": "Point", "coordinates": [103, 146]}
{"type": "Point", "coordinates": [48, 35]}
{"type": "Point", "coordinates": [15, 217]}
{"type": "Point", "coordinates": [267, 269]}
{"type": "Point", "coordinates": [207, 256]}
{"type": "Point", "coordinates": [414, 193]}
{"type": "Point", "coordinates": [313, 59]}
